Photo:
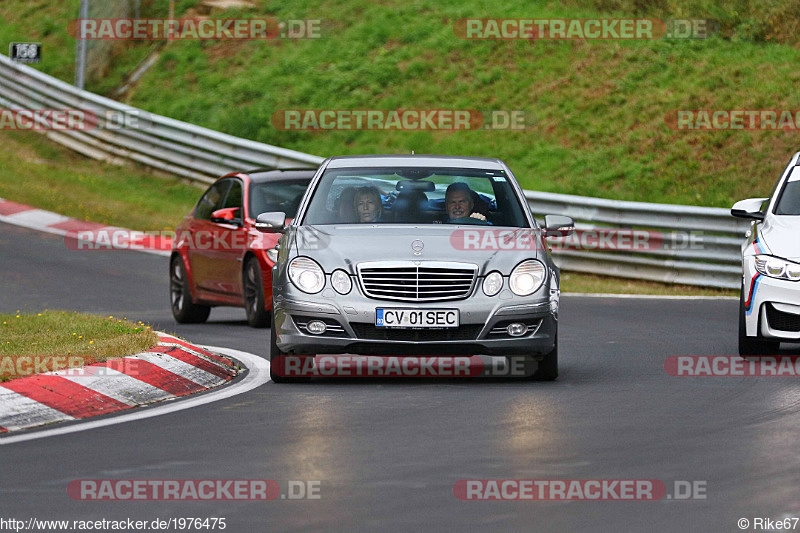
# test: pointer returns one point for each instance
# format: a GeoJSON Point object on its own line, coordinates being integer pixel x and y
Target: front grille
{"type": "Point", "coordinates": [371, 332]}
{"type": "Point", "coordinates": [782, 321]}
{"type": "Point", "coordinates": [428, 281]}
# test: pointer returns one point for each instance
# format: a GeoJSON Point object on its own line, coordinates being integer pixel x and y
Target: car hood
{"type": "Point", "coordinates": [490, 248]}
{"type": "Point", "coordinates": [780, 234]}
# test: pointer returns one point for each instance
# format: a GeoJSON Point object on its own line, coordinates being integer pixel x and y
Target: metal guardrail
{"type": "Point", "coordinates": [200, 154]}
{"type": "Point", "coordinates": [694, 245]}
{"type": "Point", "coordinates": [162, 143]}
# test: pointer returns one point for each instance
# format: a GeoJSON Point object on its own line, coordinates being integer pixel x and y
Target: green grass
{"type": "Point", "coordinates": [53, 340]}
{"type": "Point", "coordinates": [46, 21]}
{"type": "Point", "coordinates": [36, 172]}
{"type": "Point", "coordinates": [43, 21]}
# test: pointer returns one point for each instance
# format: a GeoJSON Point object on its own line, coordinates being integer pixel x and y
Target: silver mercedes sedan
{"type": "Point", "coordinates": [415, 255]}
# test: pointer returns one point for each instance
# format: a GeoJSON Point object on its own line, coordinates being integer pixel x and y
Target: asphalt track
{"type": "Point", "coordinates": [389, 451]}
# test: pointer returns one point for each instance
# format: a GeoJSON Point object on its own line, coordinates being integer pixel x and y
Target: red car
{"type": "Point", "coordinates": [219, 258]}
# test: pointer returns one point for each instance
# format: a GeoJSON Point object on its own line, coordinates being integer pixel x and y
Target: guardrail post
{"type": "Point", "coordinates": [80, 49]}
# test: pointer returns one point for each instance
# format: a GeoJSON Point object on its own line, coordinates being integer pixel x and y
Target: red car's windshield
{"type": "Point", "coordinates": [277, 196]}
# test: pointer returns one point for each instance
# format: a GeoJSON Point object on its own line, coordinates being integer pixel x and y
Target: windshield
{"type": "Point", "coordinates": [789, 199]}
{"type": "Point", "coordinates": [277, 196]}
{"type": "Point", "coordinates": [415, 195]}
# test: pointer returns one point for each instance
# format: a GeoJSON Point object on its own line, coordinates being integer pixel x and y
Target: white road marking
{"type": "Point", "coordinates": [36, 218]}
{"type": "Point", "coordinates": [257, 375]}
{"type": "Point", "coordinates": [38, 225]}
{"type": "Point", "coordinates": [20, 411]}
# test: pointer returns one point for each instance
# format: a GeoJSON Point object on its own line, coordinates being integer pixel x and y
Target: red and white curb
{"type": "Point", "coordinates": [171, 369]}
{"type": "Point", "coordinates": [49, 222]}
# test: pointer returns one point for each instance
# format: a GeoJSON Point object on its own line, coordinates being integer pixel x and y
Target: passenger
{"type": "Point", "coordinates": [344, 206]}
{"type": "Point", "coordinates": [368, 204]}
{"type": "Point", "coordinates": [459, 205]}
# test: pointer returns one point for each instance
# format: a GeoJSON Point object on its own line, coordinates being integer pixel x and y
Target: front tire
{"type": "Point", "coordinates": [753, 346]}
{"type": "Point", "coordinates": [275, 355]}
{"type": "Point", "coordinates": [254, 300]}
{"type": "Point", "coordinates": [546, 369]}
{"type": "Point", "coordinates": [184, 309]}
{"type": "Point", "coordinates": [548, 366]}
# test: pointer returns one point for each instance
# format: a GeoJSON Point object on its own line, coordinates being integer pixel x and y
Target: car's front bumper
{"type": "Point", "coordinates": [482, 320]}
{"type": "Point", "coordinates": [772, 306]}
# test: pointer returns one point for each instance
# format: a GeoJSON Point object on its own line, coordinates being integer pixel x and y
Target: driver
{"type": "Point", "coordinates": [458, 204]}
{"type": "Point", "coordinates": [368, 205]}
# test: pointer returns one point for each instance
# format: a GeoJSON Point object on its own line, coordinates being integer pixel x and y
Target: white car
{"type": "Point", "coordinates": [770, 304]}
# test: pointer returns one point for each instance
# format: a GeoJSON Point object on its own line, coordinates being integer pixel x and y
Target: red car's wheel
{"type": "Point", "coordinates": [184, 309]}
{"type": "Point", "coordinates": [254, 301]}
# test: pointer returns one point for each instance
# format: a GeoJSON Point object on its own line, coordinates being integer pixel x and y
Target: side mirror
{"type": "Point", "coordinates": [558, 226]}
{"type": "Point", "coordinates": [272, 222]}
{"type": "Point", "coordinates": [227, 215]}
{"type": "Point", "coordinates": [750, 208]}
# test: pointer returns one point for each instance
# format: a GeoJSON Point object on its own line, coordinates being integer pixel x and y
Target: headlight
{"type": "Point", "coordinates": [272, 254]}
{"type": "Point", "coordinates": [775, 267]}
{"type": "Point", "coordinates": [306, 275]}
{"type": "Point", "coordinates": [492, 283]}
{"type": "Point", "coordinates": [341, 281]}
{"type": "Point", "coordinates": [527, 277]}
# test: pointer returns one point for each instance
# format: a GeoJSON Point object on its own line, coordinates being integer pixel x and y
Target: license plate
{"type": "Point", "coordinates": [416, 318]}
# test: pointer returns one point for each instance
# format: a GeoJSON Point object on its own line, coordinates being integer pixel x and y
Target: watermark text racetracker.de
{"type": "Point", "coordinates": [577, 490]}
{"type": "Point", "coordinates": [607, 239]}
{"type": "Point", "coordinates": [376, 366]}
{"type": "Point", "coordinates": [72, 119]}
{"type": "Point", "coordinates": [402, 119]}
{"type": "Point", "coordinates": [732, 366]}
{"type": "Point", "coordinates": [194, 489]}
{"type": "Point", "coordinates": [733, 119]}
{"type": "Point", "coordinates": [28, 365]}
{"type": "Point", "coordinates": [220, 239]}
{"type": "Point", "coordinates": [197, 29]}
{"type": "Point", "coordinates": [16, 366]}
{"type": "Point", "coordinates": [124, 239]}
{"type": "Point", "coordinates": [583, 29]}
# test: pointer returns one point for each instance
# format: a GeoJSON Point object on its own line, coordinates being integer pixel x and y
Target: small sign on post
{"type": "Point", "coordinates": [25, 52]}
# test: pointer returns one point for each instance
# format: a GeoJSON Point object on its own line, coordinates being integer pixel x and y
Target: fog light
{"type": "Point", "coordinates": [516, 329]}
{"type": "Point", "coordinates": [316, 327]}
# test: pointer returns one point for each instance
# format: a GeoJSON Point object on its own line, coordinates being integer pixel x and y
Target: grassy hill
{"type": "Point", "coordinates": [599, 105]}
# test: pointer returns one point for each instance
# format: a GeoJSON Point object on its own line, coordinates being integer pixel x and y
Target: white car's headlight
{"type": "Point", "coordinates": [492, 283]}
{"type": "Point", "coordinates": [775, 267]}
{"type": "Point", "coordinates": [527, 277]}
{"type": "Point", "coordinates": [306, 274]}
{"type": "Point", "coordinates": [341, 281]}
